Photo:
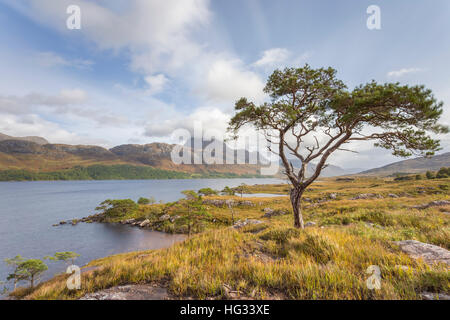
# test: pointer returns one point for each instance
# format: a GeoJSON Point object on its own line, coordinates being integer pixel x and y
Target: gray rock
{"type": "Point", "coordinates": [129, 292]}
{"type": "Point", "coordinates": [437, 203]}
{"type": "Point", "coordinates": [269, 212]}
{"type": "Point", "coordinates": [435, 296]}
{"type": "Point", "coordinates": [172, 219]}
{"type": "Point", "coordinates": [392, 195]}
{"type": "Point", "coordinates": [428, 252]}
{"type": "Point", "coordinates": [239, 224]}
{"type": "Point", "coordinates": [310, 224]}
{"type": "Point", "coordinates": [367, 196]}
{"type": "Point", "coordinates": [164, 217]}
{"type": "Point", "coordinates": [144, 223]}
{"type": "Point", "coordinates": [332, 196]}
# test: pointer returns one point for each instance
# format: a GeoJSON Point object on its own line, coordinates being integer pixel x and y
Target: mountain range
{"type": "Point", "coordinates": [37, 154]}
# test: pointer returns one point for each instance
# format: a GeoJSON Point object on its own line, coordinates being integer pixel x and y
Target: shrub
{"type": "Point", "coordinates": [117, 208]}
{"type": "Point", "coordinates": [280, 235]}
{"type": "Point", "coordinates": [318, 248]}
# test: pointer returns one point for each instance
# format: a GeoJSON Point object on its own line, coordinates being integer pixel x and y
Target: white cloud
{"type": "Point", "coordinates": [228, 80]}
{"type": "Point", "coordinates": [402, 72]}
{"type": "Point", "coordinates": [156, 83]}
{"type": "Point", "coordinates": [273, 57]}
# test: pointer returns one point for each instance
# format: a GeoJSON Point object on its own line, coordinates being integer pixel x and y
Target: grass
{"type": "Point", "coordinates": [274, 260]}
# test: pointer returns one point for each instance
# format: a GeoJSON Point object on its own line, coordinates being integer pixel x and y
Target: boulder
{"type": "Point", "coordinates": [268, 212]}
{"type": "Point", "coordinates": [392, 195]}
{"type": "Point", "coordinates": [437, 203]}
{"type": "Point", "coordinates": [310, 224]}
{"type": "Point", "coordinates": [164, 217]}
{"type": "Point", "coordinates": [367, 196]}
{"type": "Point", "coordinates": [239, 224]}
{"type": "Point", "coordinates": [144, 223]}
{"type": "Point", "coordinates": [428, 252]}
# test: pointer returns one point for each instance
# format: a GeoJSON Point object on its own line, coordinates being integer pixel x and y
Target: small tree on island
{"type": "Point", "coordinates": [312, 114]}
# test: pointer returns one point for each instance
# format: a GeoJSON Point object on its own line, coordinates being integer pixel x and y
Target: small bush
{"type": "Point", "coordinates": [280, 235]}
{"type": "Point", "coordinates": [317, 247]}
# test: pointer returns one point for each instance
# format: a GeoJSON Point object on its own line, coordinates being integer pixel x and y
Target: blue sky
{"type": "Point", "coordinates": [137, 70]}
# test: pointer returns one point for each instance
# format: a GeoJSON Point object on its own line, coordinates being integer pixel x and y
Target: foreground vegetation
{"type": "Point", "coordinates": [350, 230]}
{"type": "Point", "coordinates": [111, 172]}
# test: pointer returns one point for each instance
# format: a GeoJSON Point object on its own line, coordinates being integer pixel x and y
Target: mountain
{"type": "Point", "coordinates": [38, 157]}
{"type": "Point", "coordinates": [34, 139]}
{"type": "Point", "coordinates": [416, 165]}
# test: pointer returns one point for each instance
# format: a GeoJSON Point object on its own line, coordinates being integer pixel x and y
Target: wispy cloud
{"type": "Point", "coordinates": [402, 72]}
{"type": "Point", "coordinates": [51, 59]}
{"type": "Point", "coordinates": [273, 56]}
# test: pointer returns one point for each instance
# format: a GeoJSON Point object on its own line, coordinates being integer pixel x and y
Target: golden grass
{"type": "Point", "coordinates": [274, 260]}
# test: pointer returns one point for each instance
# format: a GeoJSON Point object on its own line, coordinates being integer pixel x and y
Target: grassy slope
{"type": "Point", "coordinates": [273, 260]}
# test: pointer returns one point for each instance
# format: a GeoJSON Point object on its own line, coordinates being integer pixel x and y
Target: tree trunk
{"type": "Point", "coordinates": [32, 281]}
{"type": "Point", "coordinates": [296, 196]}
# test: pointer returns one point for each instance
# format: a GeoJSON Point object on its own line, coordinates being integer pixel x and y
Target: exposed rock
{"type": "Point", "coordinates": [436, 203]}
{"type": "Point", "coordinates": [367, 196]}
{"type": "Point", "coordinates": [435, 296]}
{"type": "Point", "coordinates": [144, 223]}
{"type": "Point", "coordinates": [268, 212]}
{"type": "Point", "coordinates": [392, 195]}
{"type": "Point", "coordinates": [429, 253]}
{"type": "Point", "coordinates": [227, 202]}
{"type": "Point", "coordinates": [332, 196]}
{"type": "Point", "coordinates": [63, 222]}
{"type": "Point", "coordinates": [172, 219]}
{"type": "Point", "coordinates": [239, 224]}
{"type": "Point", "coordinates": [310, 224]}
{"type": "Point", "coordinates": [229, 293]}
{"type": "Point", "coordinates": [129, 292]}
{"type": "Point", "coordinates": [164, 217]}
{"type": "Point", "coordinates": [128, 221]}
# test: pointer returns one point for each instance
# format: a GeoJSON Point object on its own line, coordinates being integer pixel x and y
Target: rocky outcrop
{"type": "Point", "coordinates": [269, 212]}
{"type": "Point", "coordinates": [437, 203]}
{"type": "Point", "coordinates": [222, 203]}
{"type": "Point", "coordinates": [240, 224]}
{"type": "Point", "coordinates": [130, 292]}
{"type": "Point", "coordinates": [366, 196]}
{"type": "Point", "coordinates": [429, 253]}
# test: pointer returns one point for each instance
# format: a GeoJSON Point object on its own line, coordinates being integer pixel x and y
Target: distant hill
{"type": "Point", "coordinates": [21, 154]}
{"type": "Point", "coordinates": [34, 139]}
{"type": "Point", "coordinates": [412, 165]}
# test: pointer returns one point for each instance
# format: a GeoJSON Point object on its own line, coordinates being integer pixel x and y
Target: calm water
{"type": "Point", "coordinates": [28, 210]}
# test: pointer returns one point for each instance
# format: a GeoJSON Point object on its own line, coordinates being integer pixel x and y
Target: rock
{"type": "Point", "coordinates": [437, 203]}
{"type": "Point", "coordinates": [310, 224]}
{"type": "Point", "coordinates": [367, 196]}
{"type": "Point", "coordinates": [428, 252]}
{"type": "Point", "coordinates": [268, 212]}
{"type": "Point", "coordinates": [172, 219]}
{"type": "Point", "coordinates": [435, 296]}
{"type": "Point", "coordinates": [307, 199]}
{"type": "Point", "coordinates": [128, 221]}
{"type": "Point", "coordinates": [229, 293]}
{"type": "Point", "coordinates": [239, 224]}
{"type": "Point", "coordinates": [164, 217]}
{"type": "Point", "coordinates": [391, 195]}
{"type": "Point", "coordinates": [55, 225]}
{"type": "Point", "coordinates": [129, 292]}
{"type": "Point", "coordinates": [246, 203]}
{"type": "Point", "coordinates": [63, 222]}
{"type": "Point", "coordinates": [332, 196]}
{"type": "Point", "coordinates": [144, 223]}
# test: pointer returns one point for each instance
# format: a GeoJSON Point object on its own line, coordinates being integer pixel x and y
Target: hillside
{"type": "Point", "coordinates": [413, 165]}
{"type": "Point", "coordinates": [34, 139]}
{"type": "Point", "coordinates": [20, 154]}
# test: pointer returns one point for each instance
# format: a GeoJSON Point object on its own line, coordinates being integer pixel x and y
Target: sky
{"type": "Point", "coordinates": [139, 69]}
